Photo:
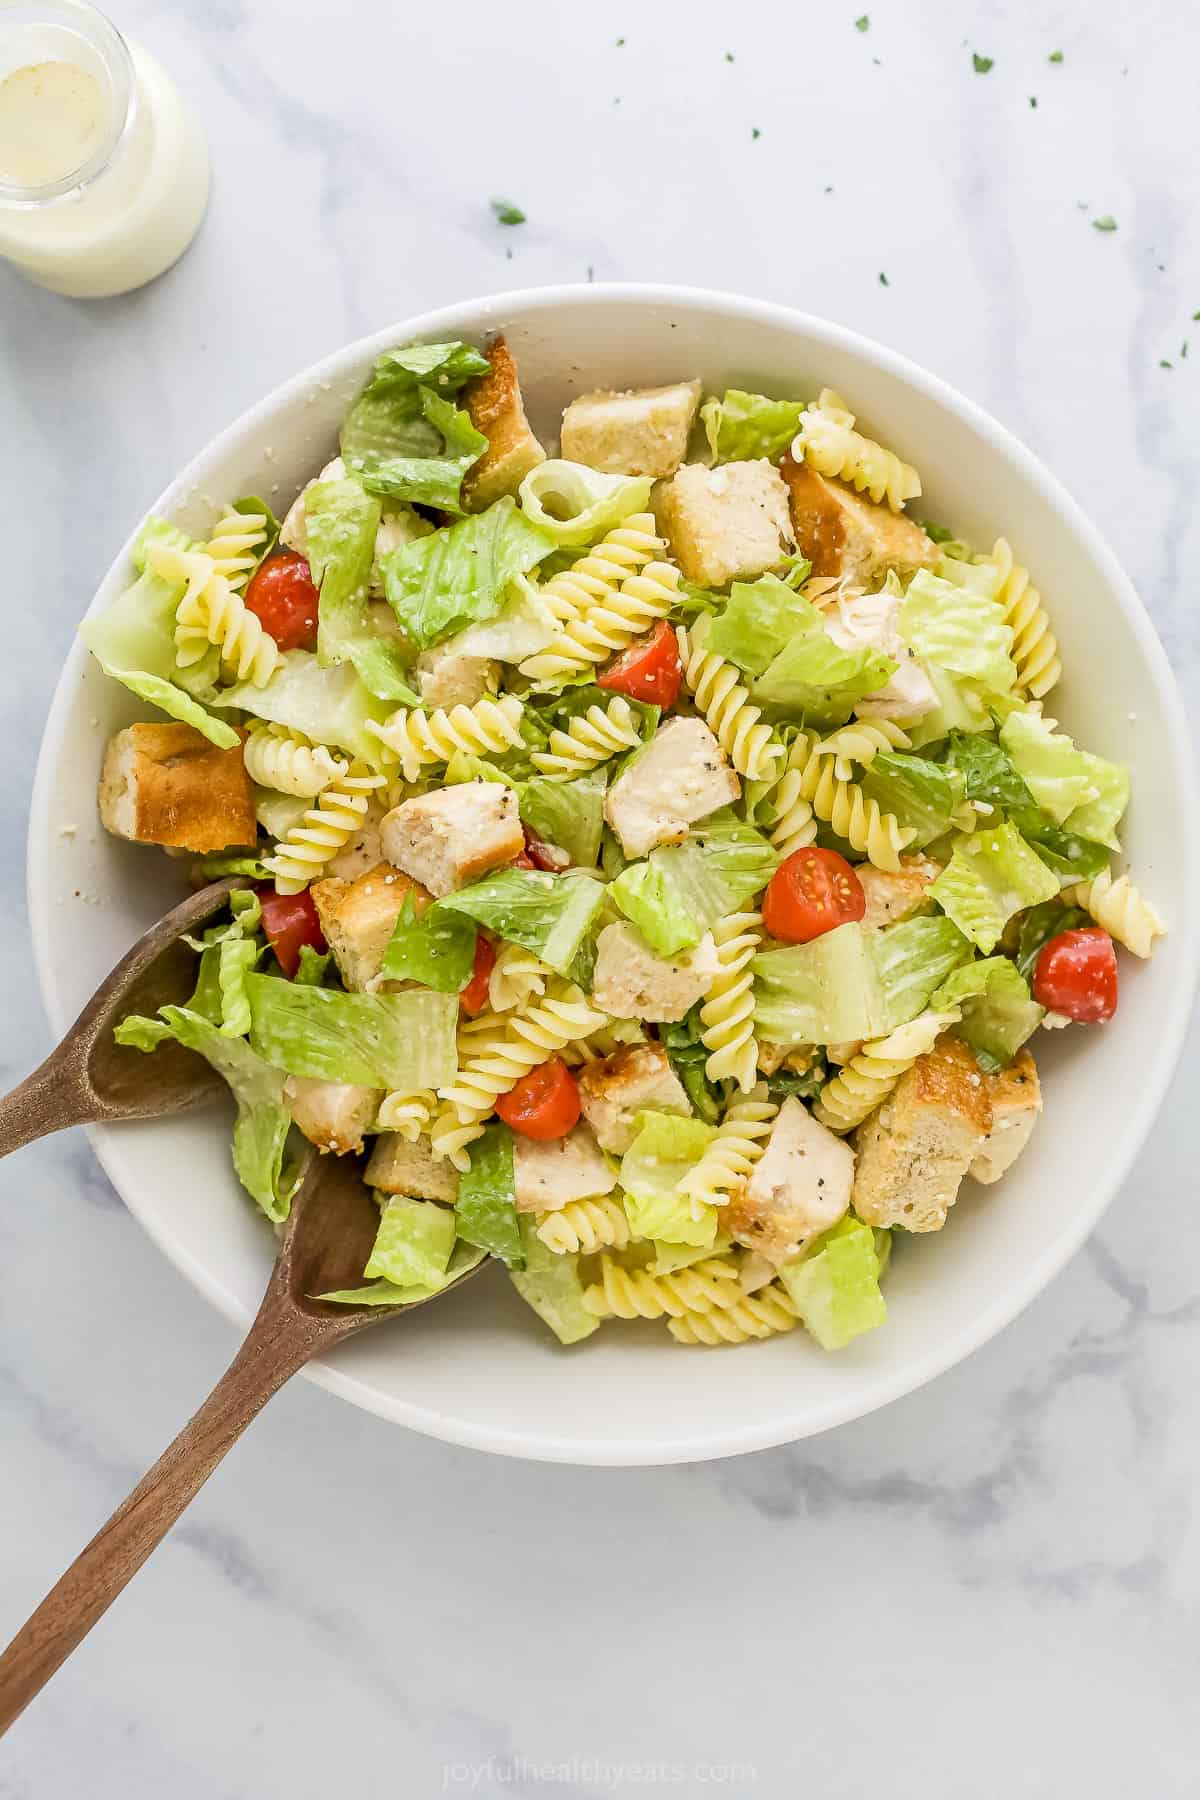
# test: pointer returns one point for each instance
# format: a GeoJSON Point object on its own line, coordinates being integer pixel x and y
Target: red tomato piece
{"type": "Point", "coordinates": [282, 596]}
{"type": "Point", "coordinates": [649, 670]}
{"type": "Point", "coordinates": [547, 857]}
{"type": "Point", "coordinates": [544, 1104]}
{"type": "Point", "coordinates": [290, 921]}
{"type": "Point", "coordinates": [1076, 975]}
{"type": "Point", "coordinates": [812, 892]}
{"type": "Point", "coordinates": [524, 861]}
{"type": "Point", "coordinates": [474, 997]}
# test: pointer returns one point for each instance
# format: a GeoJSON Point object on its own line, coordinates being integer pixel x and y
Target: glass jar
{"type": "Point", "coordinates": [103, 167]}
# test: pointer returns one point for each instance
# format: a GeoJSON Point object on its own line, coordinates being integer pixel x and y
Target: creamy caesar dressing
{"type": "Point", "coordinates": [54, 117]}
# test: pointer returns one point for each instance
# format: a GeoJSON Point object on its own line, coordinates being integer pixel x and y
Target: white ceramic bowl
{"type": "Point", "coordinates": [478, 1368]}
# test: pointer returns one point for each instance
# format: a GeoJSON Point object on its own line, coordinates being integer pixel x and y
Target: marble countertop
{"type": "Point", "coordinates": [991, 1587]}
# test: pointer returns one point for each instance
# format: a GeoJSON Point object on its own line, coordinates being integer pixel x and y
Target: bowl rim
{"type": "Point", "coordinates": [470, 316]}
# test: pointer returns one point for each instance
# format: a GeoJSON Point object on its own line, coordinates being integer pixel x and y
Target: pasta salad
{"type": "Point", "coordinates": [657, 858]}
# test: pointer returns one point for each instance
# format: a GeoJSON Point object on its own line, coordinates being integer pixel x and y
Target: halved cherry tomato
{"type": "Point", "coordinates": [281, 594]}
{"type": "Point", "coordinates": [1076, 974]}
{"type": "Point", "coordinates": [811, 893]}
{"type": "Point", "coordinates": [474, 997]}
{"type": "Point", "coordinates": [290, 921]}
{"type": "Point", "coordinates": [544, 1104]}
{"type": "Point", "coordinates": [546, 856]}
{"type": "Point", "coordinates": [649, 670]}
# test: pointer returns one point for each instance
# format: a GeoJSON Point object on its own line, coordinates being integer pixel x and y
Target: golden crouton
{"type": "Point", "coordinates": [643, 432]}
{"type": "Point", "coordinates": [725, 524]}
{"type": "Point", "coordinates": [1016, 1097]}
{"type": "Point", "coordinates": [496, 408]}
{"type": "Point", "coordinates": [359, 917]}
{"type": "Point", "coordinates": [399, 1167]}
{"type": "Point", "coordinates": [914, 1152]}
{"type": "Point", "coordinates": [166, 784]}
{"type": "Point", "coordinates": [843, 534]}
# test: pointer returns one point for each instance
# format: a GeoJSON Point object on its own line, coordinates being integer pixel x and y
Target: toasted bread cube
{"type": "Point", "coordinates": [846, 535]}
{"type": "Point", "coordinates": [166, 784]}
{"type": "Point", "coordinates": [630, 982]}
{"type": "Point", "coordinates": [1016, 1096]}
{"type": "Point", "coordinates": [638, 1078]}
{"type": "Point", "coordinates": [333, 1115]}
{"type": "Point", "coordinates": [448, 677]}
{"type": "Point", "coordinates": [725, 524]}
{"type": "Point", "coordinates": [496, 408]}
{"type": "Point", "coordinates": [359, 917]}
{"type": "Point", "coordinates": [397, 1167]}
{"type": "Point", "coordinates": [641, 432]}
{"type": "Point", "coordinates": [900, 894]}
{"type": "Point", "coordinates": [549, 1175]}
{"type": "Point", "coordinates": [681, 776]}
{"type": "Point", "coordinates": [914, 1152]}
{"type": "Point", "coordinates": [449, 838]}
{"type": "Point", "coordinates": [799, 1187]}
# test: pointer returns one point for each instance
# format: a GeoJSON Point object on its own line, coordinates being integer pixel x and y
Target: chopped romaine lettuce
{"type": "Point", "coordinates": [341, 521]}
{"type": "Point", "coordinates": [673, 897]}
{"type": "Point", "coordinates": [741, 427]}
{"type": "Point", "coordinates": [991, 876]}
{"type": "Point", "coordinates": [835, 1287]}
{"type": "Point", "coordinates": [670, 1257]}
{"type": "Point", "coordinates": [576, 505]}
{"type": "Point", "coordinates": [1053, 770]}
{"type": "Point", "coordinates": [911, 958]}
{"type": "Point", "coordinates": [568, 814]}
{"type": "Point", "coordinates": [550, 1284]}
{"type": "Point", "coordinates": [404, 437]}
{"type": "Point", "coordinates": [156, 530]}
{"type": "Point", "coordinates": [459, 575]}
{"type": "Point", "coordinates": [487, 1206]}
{"type": "Point", "coordinates": [313, 966]}
{"type": "Point", "coordinates": [998, 1011]}
{"type": "Point", "coordinates": [331, 706]}
{"type": "Point", "coordinates": [988, 775]}
{"type": "Point", "coordinates": [413, 1244]}
{"type": "Point", "coordinates": [371, 1040]}
{"type": "Point", "coordinates": [435, 948]}
{"type": "Point", "coordinates": [386, 1293]}
{"type": "Point", "coordinates": [923, 795]}
{"type": "Point", "coordinates": [852, 984]}
{"type": "Point", "coordinates": [815, 678]}
{"type": "Point", "coordinates": [661, 1154]}
{"type": "Point", "coordinates": [1040, 924]}
{"type": "Point", "coordinates": [523, 626]}
{"type": "Point", "coordinates": [958, 627]}
{"type": "Point", "coordinates": [552, 915]}
{"type": "Point", "coordinates": [1097, 819]}
{"type": "Point", "coordinates": [758, 621]}
{"type": "Point", "coordinates": [1071, 858]}
{"type": "Point", "coordinates": [739, 854]}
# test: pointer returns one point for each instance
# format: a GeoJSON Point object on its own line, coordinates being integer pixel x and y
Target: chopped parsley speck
{"type": "Point", "coordinates": [507, 213]}
{"type": "Point", "coordinates": [1196, 315]}
{"type": "Point", "coordinates": [883, 280]}
{"type": "Point", "coordinates": [1107, 223]}
{"type": "Point", "coordinates": [1033, 99]}
{"type": "Point", "coordinates": [829, 190]}
{"type": "Point", "coordinates": [591, 273]}
{"type": "Point", "coordinates": [863, 23]}
{"type": "Point", "coordinates": [982, 63]}
{"type": "Point", "coordinates": [1055, 56]}
{"type": "Point", "coordinates": [619, 42]}
{"type": "Point", "coordinates": [1164, 364]}
{"type": "Point", "coordinates": [729, 56]}
{"type": "Point", "coordinates": [755, 133]}
{"type": "Point", "coordinates": [1183, 349]}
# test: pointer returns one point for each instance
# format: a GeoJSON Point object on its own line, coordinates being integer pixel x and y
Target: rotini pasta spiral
{"type": "Point", "coordinates": [758, 1315]}
{"type": "Point", "coordinates": [418, 738]}
{"type": "Point", "coordinates": [1034, 649]}
{"type": "Point", "coordinates": [407, 1114]}
{"type": "Point", "coordinates": [829, 443]}
{"type": "Point", "coordinates": [449, 1137]}
{"type": "Point", "coordinates": [585, 1226]}
{"type": "Point", "coordinates": [861, 742]}
{"type": "Point", "coordinates": [867, 1079]}
{"type": "Point", "coordinates": [736, 723]}
{"type": "Point", "coordinates": [211, 613]}
{"type": "Point", "coordinates": [517, 975]}
{"type": "Point", "coordinates": [637, 1294]}
{"type": "Point", "coordinates": [287, 761]}
{"type": "Point", "coordinates": [1119, 907]}
{"type": "Point", "coordinates": [795, 823]}
{"type": "Point", "coordinates": [596, 577]}
{"type": "Point", "coordinates": [598, 1044]}
{"type": "Point", "coordinates": [590, 739]}
{"type": "Point", "coordinates": [236, 545]}
{"type": "Point", "coordinates": [729, 1158]}
{"type": "Point", "coordinates": [300, 856]}
{"type": "Point", "coordinates": [847, 810]}
{"type": "Point", "coordinates": [727, 1015]}
{"type": "Point", "coordinates": [609, 620]}
{"type": "Point", "coordinates": [522, 1040]}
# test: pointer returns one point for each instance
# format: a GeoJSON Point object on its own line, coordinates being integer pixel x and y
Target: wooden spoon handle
{"type": "Point", "coordinates": [278, 1344]}
{"type": "Point", "coordinates": [48, 1100]}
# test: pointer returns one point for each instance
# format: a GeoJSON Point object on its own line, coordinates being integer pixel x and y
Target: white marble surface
{"type": "Point", "coordinates": [990, 1588]}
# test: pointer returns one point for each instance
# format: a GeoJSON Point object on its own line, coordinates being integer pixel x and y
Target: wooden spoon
{"type": "Point", "coordinates": [325, 1245]}
{"type": "Point", "coordinates": [89, 1078]}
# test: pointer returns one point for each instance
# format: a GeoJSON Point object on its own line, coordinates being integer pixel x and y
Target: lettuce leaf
{"type": "Point", "coordinates": [157, 530]}
{"type": "Point", "coordinates": [758, 622]}
{"type": "Point", "coordinates": [552, 915]}
{"type": "Point", "coordinates": [835, 1287]}
{"type": "Point", "coordinates": [1053, 770]}
{"type": "Point", "coordinates": [923, 795]}
{"type": "Point", "coordinates": [741, 856]}
{"type": "Point", "coordinates": [998, 1011]}
{"type": "Point", "coordinates": [523, 626]}
{"type": "Point", "coordinates": [959, 628]}
{"type": "Point", "coordinates": [550, 1284]}
{"type": "Point", "coordinates": [388, 1293]}
{"type": "Point", "coordinates": [568, 814]}
{"type": "Point", "coordinates": [988, 775]}
{"type": "Point", "coordinates": [991, 876]}
{"type": "Point", "coordinates": [673, 897]}
{"type": "Point", "coordinates": [1097, 819]}
{"type": "Point", "coordinates": [576, 505]}
{"type": "Point", "coordinates": [331, 706]}
{"type": "Point", "coordinates": [404, 437]}
{"type": "Point", "coordinates": [1040, 924]}
{"type": "Point", "coordinates": [370, 1040]}
{"type": "Point", "coordinates": [688, 1055]}
{"type": "Point", "coordinates": [341, 520]}
{"type": "Point", "coordinates": [458, 576]}
{"type": "Point", "coordinates": [741, 427]}
{"type": "Point", "coordinates": [487, 1205]}
{"type": "Point", "coordinates": [413, 1244]}
{"type": "Point", "coordinates": [819, 680]}
{"type": "Point", "coordinates": [313, 966]}
{"type": "Point", "coordinates": [661, 1154]}
{"type": "Point", "coordinates": [852, 983]}
{"type": "Point", "coordinates": [911, 958]}
{"type": "Point", "coordinates": [435, 948]}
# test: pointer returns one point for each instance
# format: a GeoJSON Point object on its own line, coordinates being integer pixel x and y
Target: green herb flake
{"type": "Point", "coordinates": [1183, 349]}
{"type": "Point", "coordinates": [1107, 223]}
{"type": "Point", "coordinates": [1033, 99]}
{"type": "Point", "coordinates": [619, 43]}
{"type": "Point", "coordinates": [883, 280]}
{"type": "Point", "coordinates": [729, 56]}
{"type": "Point", "coordinates": [1164, 364]}
{"type": "Point", "coordinates": [982, 63]}
{"type": "Point", "coordinates": [755, 134]}
{"type": "Point", "coordinates": [863, 23]}
{"type": "Point", "coordinates": [507, 213]}
{"type": "Point", "coordinates": [1055, 56]}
